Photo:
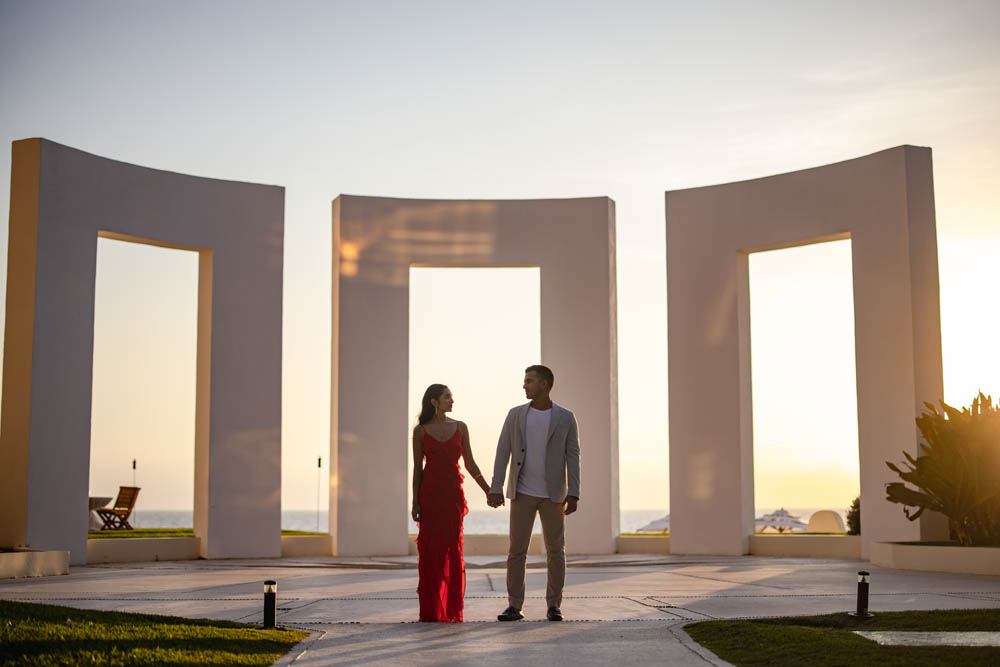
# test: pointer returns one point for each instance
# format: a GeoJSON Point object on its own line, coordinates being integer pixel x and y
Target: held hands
{"type": "Point", "coordinates": [494, 499]}
{"type": "Point", "coordinates": [570, 505]}
{"type": "Point", "coordinates": [415, 511]}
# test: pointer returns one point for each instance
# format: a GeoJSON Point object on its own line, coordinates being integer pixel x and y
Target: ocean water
{"type": "Point", "coordinates": [478, 522]}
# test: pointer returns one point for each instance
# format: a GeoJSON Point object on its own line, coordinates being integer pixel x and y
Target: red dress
{"type": "Point", "coordinates": [439, 544]}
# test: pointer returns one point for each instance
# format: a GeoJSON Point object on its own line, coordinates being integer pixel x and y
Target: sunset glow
{"type": "Point", "coordinates": [423, 100]}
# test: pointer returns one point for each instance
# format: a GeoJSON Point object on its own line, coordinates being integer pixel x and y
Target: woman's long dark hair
{"type": "Point", "coordinates": [427, 408]}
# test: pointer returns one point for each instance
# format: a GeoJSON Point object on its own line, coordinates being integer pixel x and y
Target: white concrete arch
{"type": "Point", "coordinates": [885, 204]}
{"type": "Point", "coordinates": [376, 241]}
{"type": "Point", "coordinates": [62, 199]}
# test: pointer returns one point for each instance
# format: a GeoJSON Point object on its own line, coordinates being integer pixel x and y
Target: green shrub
{"type": "Point", "coordinates": [956, 472]}
{"type": "Point", "coordinates": [854, 517]}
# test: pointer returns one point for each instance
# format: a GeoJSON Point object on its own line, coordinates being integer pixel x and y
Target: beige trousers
{"type": "Point", "coordinates": [522, 519]}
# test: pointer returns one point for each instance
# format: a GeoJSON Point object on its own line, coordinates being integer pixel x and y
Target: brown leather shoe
{"type": "Point", "coordinates": [510, 614]}
{"type": "Point", "coordinates": [554, 614]}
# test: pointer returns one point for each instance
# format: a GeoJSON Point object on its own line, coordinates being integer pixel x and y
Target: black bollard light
{"type": "Point", "coordinates": [270, 603]}
{"type": "Point", "coordinates": [862, 610]}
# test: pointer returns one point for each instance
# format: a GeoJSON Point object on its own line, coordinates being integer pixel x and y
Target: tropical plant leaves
{"type": "Point", "coordinates": [956, 471]}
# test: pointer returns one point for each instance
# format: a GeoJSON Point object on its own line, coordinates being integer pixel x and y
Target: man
{"type": "Point", "coordinates": [541, 439]}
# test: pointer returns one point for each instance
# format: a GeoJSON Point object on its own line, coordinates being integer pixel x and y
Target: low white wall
{"type": "Point", "coordinates": [935, 558]}
{"type": "Point", "coordinates": [643, 544]}
{"type": "Point", "coordinates": [140, 549]}
{"type": "Point", "coordinates": [33, 563]}
{"type": "Point", "coordinates": [807, 546]}
{"type": "Point", "coordinates": [304, 546]}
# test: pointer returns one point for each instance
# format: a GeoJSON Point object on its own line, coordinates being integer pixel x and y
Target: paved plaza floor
{"type": "Point", "coordinates": [622, 610]}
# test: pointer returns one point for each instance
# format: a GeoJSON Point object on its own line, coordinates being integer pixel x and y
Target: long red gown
{"type": "Point", "coordinates": [439, 543]}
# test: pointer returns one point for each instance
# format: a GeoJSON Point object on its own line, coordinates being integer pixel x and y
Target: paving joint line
{"type": "Point", "coordinates": [301, 606]}
{"type": "Point", "coordinates": [24, 598]}
{"type": "Point", "coordinates": [726, 581]}
{"type": "Point", "coordinates": [985, 597]}
{"type": "Point", "coordinates": [539, 621]}
{"type": "Point", "coordinates": [662, 608]}
{"type": "Point", "coordinates": [975, 596]}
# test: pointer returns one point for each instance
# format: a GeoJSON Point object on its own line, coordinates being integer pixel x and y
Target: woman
{"type": "Point", "coordinates": [439, 505]}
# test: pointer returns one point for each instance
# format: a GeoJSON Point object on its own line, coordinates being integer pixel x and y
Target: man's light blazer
{"type": "Point", "coordinates": [562, 453]}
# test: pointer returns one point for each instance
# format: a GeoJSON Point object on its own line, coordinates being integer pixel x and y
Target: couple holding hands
{"type": "Point", "coordinates": [541, 442]}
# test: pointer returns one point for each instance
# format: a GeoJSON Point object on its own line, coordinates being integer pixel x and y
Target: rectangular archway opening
{"type": "Point", "coordinates": [475, 330]}
{"type": "Point", "coordinates": [805, 429]}
{"type": "Point", "coordinates": [144, 380]}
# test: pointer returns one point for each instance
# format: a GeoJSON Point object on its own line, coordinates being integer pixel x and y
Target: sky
{"type": "Point", "coordinates": [517, 100]}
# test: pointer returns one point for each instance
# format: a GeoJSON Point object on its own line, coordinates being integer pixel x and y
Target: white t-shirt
{"type": "Point", "coordinates": [531, 481]}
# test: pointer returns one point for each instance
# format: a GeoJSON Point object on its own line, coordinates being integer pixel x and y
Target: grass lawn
{"type": "Point", "coordinates": [165, 532]}
{"type": "Point", "coordinates": [36, 634]}
{"type": "Point", "coordinates": [829, 640]}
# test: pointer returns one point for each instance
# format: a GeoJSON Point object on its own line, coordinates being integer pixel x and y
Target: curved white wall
{"type": "Point", "coordinates": [885, 204]}
{"type": "Point", "coordinates": [62, 199]}
{"type": "Point", "coordinates": [376, 240]}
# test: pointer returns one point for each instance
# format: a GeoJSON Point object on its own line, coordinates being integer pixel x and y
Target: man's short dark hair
{"type": "Point", "coordinates": [543, 373]}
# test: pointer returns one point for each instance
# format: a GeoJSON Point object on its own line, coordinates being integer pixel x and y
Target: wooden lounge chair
{"type": "Point", "coordinates": [116, 517]}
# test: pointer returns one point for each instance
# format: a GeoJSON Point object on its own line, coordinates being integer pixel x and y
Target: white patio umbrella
{"type": "Point", "coordinates": [780, 520]}
{"type": "Point", "coordinates": [660, 525]}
